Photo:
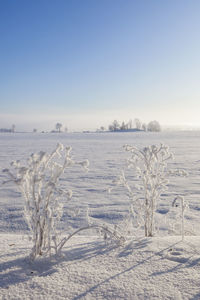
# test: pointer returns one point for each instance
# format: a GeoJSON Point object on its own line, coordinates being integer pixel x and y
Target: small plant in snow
{"type": "Point", "coordinates": [39, 184]}
{"type": "Point", "coordinates": [107, 232]}
{"type": "Point", "coordinates": [182, 206]}
{"type": "Point", "coordinates": [150, 165]}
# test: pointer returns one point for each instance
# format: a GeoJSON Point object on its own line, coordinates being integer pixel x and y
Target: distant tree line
{"type": "Point", "coordinates": [135, 125]}
{"type": "Point", "coordinates": [12, 129]}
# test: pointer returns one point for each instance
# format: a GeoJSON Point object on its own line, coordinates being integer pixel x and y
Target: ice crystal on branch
{"type": "Point", "coordinates": [39, 184]}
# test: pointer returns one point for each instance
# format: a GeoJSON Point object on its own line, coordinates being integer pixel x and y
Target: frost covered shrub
{"type": "Point", "coordinates": [39, 184]}
{"type": "Point", "coordinates": [150, 167]}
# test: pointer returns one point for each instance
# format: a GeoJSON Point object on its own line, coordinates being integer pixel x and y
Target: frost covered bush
{"type": "Point", "coordinates": [39, 184]}
{"type": "Point", "coordinates": [38, 181]}
{"type": "Point", "coordinates": [150, 168]}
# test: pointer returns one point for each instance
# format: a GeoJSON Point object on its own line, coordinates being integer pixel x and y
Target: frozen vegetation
{"type": "Point", "coordinates": [38, 182]}
{"type": "Point", "coordinates": [152, 209]}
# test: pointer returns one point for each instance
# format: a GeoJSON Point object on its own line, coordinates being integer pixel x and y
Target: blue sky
{"type": "Point", "coordinates": [87, 62]}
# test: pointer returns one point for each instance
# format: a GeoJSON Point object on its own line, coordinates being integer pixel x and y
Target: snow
{"type": "Point", "coordinates": [162, 267]}
{"type": "Point", "coordinates": [149, 268]}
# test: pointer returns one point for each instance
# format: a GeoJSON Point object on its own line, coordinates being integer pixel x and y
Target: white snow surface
{"type": "Point", "coordinates": [149, 268]}
{"type": "Point", "coordinates": [162, 267]}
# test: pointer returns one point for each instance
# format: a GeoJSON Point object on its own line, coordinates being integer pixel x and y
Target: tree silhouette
{"type": "Point", "coordinates": [58, 127]}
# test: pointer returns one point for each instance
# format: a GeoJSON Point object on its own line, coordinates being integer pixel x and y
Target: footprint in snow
{"type": "Point", "coordinates": [178, 255]}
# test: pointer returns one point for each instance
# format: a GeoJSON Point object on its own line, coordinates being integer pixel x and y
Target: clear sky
{"type": "Point", "coordinates": [86, 62]}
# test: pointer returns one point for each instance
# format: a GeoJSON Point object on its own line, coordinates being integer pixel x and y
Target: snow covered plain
{"type": "Point", "coordinates": [162, 267]}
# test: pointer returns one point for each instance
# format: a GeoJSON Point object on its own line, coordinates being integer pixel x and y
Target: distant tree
{"type": "Point", "coordinates": [110, 127]}
{"type": "Point", "coordinates": [123, 126]}
{"type": "Point", "coordinates": [138, 124]}
{"type": "Point", "coordinates": [102, 128]}
{"type": "Point", "coordinates": [154, 126]}
{"type": "Point", "coordinates": [144, 126]}
{"type": "Point", "coordinates": [130, 124]}
{"type": "Point", "coordinates": [116, 125]}
{"type": "Point", "coordinates": [13, 128]}
{"type": "Point", "coordinates": [34, 130]}
{"type": "Point", "coordinates": [58, 127]}
{"type": "Point", "coordinates": [66, 129]}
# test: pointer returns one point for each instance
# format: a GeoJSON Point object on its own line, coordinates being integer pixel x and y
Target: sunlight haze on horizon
{"type": "Point", "coordinates": [86, 63]}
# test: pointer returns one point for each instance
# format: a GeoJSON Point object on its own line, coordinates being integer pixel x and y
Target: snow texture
{"type": "Point", "coordinates": [160, 267]}
{"type": "Point", "coordinates": [149, 268]}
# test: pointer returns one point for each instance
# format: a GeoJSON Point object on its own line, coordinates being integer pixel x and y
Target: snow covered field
{"type": "Point", "coordinates": [162, 267]}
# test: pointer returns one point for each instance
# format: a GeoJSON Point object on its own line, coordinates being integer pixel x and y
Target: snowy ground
{"type": "Point", "coordinates": [151, 268]}
{"type": "Point", "coordinates": [157, 268]}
